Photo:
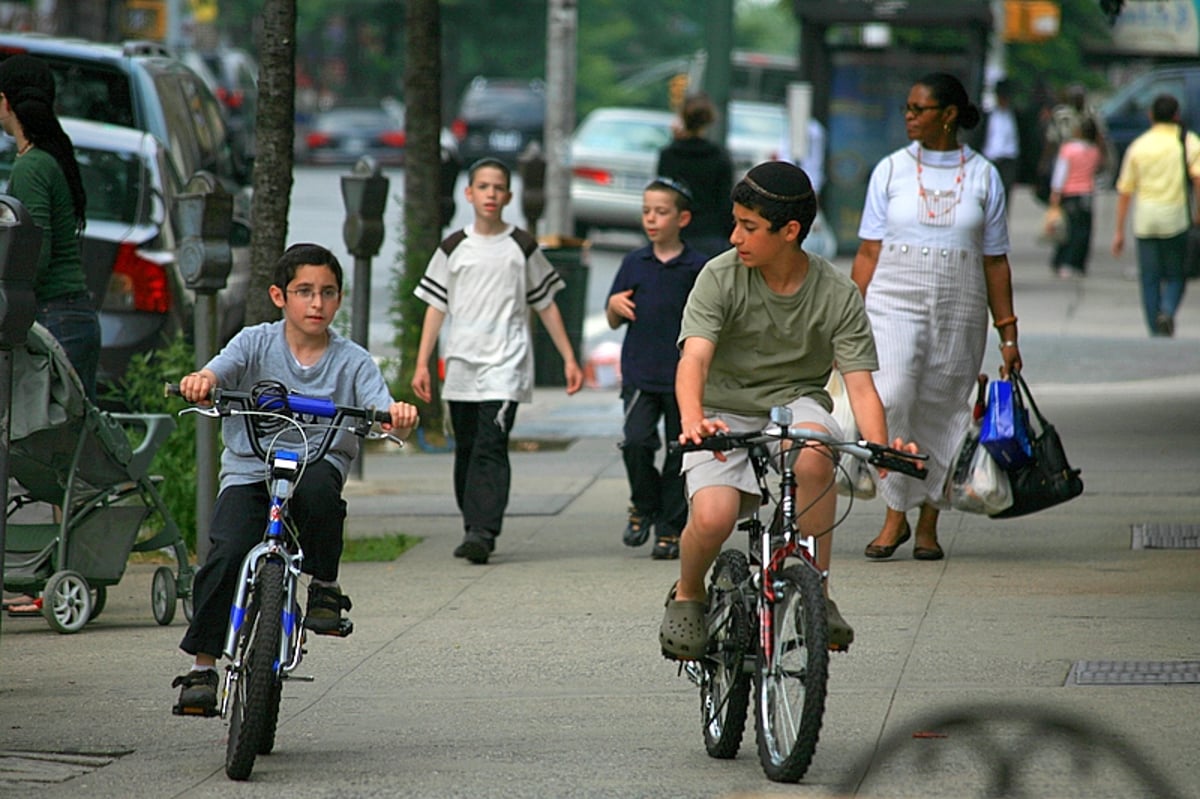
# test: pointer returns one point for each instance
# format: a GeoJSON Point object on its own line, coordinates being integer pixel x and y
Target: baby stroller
{"type": "Point", "coordinates": [75, 464]}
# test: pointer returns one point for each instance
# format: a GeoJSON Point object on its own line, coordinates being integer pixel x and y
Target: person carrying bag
{"type": "Point", "coordinates": [1046, 479]}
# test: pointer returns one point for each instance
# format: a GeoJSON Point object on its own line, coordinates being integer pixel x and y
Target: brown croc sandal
{"type": "Point", "coordinates": [683, 634]}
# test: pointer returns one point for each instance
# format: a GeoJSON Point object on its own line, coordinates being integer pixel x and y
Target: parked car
{"type": "Point", "coordinates": [499, 118]}
{"type": "Point", "coordinates": [129, 241]}
{"type": "Point", "coordinates": [1126, 114]}
{"type": "Point", "coordinates": [138, 85]}
{"type": "Point", "coordinates": [614, 154]}
{"type": "Point", "coordinates": [756, 132]}
{"type": "Point", "coordinates": [343, 135]}
{"type": "Point", "coordinates": [232, 76]}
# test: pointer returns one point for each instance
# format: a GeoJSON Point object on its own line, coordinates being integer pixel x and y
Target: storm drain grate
{"type": "Point", "coordinates": [1166, 536]}
{"type": "Point", "coordinates": [1134, 672]}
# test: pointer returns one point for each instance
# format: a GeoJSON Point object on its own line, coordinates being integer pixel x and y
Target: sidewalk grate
{"type": "Point", "coordinates": [1166, 536]}
{"type": "Point", "coordinates": [1134, 672]}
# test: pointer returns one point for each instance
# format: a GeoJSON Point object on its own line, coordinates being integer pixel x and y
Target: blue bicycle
{"type": "Point", "coordinates": [265, 641]}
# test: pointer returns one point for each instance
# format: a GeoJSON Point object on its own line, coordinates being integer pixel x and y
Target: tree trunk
{"type": "Point", "coordinates": [275, 128]}
{"type": "Point", "coordinates": [422, 226]}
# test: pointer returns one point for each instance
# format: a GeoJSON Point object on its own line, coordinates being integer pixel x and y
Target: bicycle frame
{"type": "Point", "coordinates": [277, 543]}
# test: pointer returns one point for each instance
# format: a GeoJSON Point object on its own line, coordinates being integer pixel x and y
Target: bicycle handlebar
{"type": "Point", "coordinates": [876, 454]}
{"type": "Point", "coordinates": [295, 403]}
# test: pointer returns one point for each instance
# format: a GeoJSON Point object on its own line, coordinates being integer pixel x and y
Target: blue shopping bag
{"type": "Point", "coordinates": [1005, 428]}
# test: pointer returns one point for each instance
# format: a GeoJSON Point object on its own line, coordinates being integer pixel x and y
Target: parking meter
{"type": "Point", "coordinates": [204, 212]}
{"type": "Point", "coordinates": [364, 192]}
{"type": "Point", "coordinates": [531, 164]}
{"type": "Point", "coordinates": [20, 242]}
{"type": "Point", "coordinates": [205, 216]}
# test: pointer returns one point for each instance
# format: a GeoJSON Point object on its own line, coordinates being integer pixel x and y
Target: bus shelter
{"type": "Point", "coordinates": [861, 57]}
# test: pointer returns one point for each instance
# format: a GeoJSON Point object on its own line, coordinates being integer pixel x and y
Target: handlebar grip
{"type": "Point", "coordinates": [171, 390]}
{"type": "Point", "coordinates": [381, 416]}
{"type": "Point", "coordinates": [717, 443]}
{"type": "Point", "coordinates": [895, 463]}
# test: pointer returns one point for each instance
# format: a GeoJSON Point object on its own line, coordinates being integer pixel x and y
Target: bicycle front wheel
{"type": "Point", "coordinates": [725, 683]}
{"type": "Point", "coordinates": [792, 674]}
{"type": "Point", "coordinates": [256, 685]}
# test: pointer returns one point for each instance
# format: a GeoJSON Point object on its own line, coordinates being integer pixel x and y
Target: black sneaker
{"type": "Point", "coordinates": [325, 606]}
{"type": "Point", "coordinates": [637, 529]}
{"type": "Point", "coordinates": [198, 696]}
{"type": "Point", "coordinates": [476, 546]}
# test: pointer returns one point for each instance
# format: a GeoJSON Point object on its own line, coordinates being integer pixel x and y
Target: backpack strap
{"type": "Point", "coordinates": [525, 241]}
{"type": "Point", "coordinates": [450, 242]}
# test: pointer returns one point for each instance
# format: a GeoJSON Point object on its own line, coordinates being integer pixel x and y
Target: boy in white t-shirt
{"type": "Point", "coordinates": [484, 279]}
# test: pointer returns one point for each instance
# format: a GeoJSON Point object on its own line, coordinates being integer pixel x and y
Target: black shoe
{"type": "Point", "coordinates": [198, 696]}
{"type": "Point", "coordinates": [1164, 325]}
{"type": "Point", "coordinates": [637, 529]}
{"type": "Point", "coordinates": [325, 606]}
{"type": "Point", "coordinates": [476, 546]}
{"type": "Point", "coordinates": [665, 548]}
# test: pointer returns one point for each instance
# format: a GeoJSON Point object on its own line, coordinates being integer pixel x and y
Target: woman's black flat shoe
{"type": "Point", "coordinates": [929, 553]}
{"type": "Point", "coordinates": [883, 551]}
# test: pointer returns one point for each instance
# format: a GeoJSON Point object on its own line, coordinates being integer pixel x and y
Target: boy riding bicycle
{"type": "Point", "coordinates": [764, 325]}
{"type": "Point", "coordinates": [303, 353]}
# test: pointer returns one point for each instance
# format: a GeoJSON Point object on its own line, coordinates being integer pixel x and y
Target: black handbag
{"type": "Point", "coordinates": [1191, 257]}
{"type": "Point", "coordinates": [1048, 479]}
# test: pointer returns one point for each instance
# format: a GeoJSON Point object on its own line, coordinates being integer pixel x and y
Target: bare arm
{"type": "Point", "coordinates": [865, 261]}
{"type": "Point", "coordinates": [690, 376]}
{"type": "Point", "coordinates": [422, 382]}
{"type": "Point", "coordinates": [552, 320]}
{"type": "Point", "coordinates": [998, 277]}
{"type": "Point", "coordinates": [1118, 242]}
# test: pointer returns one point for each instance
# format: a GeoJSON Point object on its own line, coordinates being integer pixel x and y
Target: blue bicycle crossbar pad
{"type": "Point", "coordinates": [301, 404]}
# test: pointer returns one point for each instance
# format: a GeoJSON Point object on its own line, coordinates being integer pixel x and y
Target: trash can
{"type": "Point", "coordinates": [568, 255]}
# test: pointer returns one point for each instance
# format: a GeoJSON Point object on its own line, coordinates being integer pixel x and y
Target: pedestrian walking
{"type": "Point", "coordinates": [1152, 180]}
{"type": "Point", "coordinates": [932, 262]}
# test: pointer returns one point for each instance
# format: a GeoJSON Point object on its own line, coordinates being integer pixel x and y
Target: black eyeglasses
{"type": "Point", "coordinates": [917, 110]}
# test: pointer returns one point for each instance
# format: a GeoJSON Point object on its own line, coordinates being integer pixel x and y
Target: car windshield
{"type": "Point", "coordinates": [624, 135]}
{"type": "Point", "coordinates": [91, 91]}
{"type": "Point", "coordinates": [511, 102]}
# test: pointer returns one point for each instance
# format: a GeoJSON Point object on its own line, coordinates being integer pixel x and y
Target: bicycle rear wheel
{"type": "Point", "coordinates": [253, 710]}
{"type": "Point", "coordinates": [725, 683]}
{"type": "Point", "coordinates": [792, 675]}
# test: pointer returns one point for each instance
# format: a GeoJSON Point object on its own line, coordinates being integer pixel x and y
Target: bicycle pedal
{"type": "Point", "coordinates": [839, 649]}
{"type": "Point", "coordinates": [344, 628]}
{"type": "Point", "coordinates": [202, 712]}
{"type": "Point", "coordinates": [300, 677]}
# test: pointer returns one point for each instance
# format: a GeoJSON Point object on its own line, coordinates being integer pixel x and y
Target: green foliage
{"type": "Point", "coordinates": [377, 549]}
{"type": "Point", "coordinates": [141, 391]}
{"type": "Point", "coordinates": [1046, 68]}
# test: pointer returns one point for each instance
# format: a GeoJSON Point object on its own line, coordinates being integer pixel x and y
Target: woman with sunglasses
{"type": "Point", "coordinates": [931, 264]}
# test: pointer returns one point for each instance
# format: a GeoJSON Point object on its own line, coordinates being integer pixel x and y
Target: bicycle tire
{"type": "Point", "coordinates": [267, 743]}
{"type": "Point", "coordinates": [257, 682]}
{"type": "Point", "coordinates": [725, 684]}
{"type": "Point", "coordinates": [792, 676]}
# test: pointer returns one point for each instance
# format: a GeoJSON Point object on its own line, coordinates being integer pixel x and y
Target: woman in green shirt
{"type": "Point", "coordinates": [45, 178]}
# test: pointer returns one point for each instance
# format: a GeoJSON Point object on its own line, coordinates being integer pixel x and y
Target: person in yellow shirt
{"type": "Point", "coordinates": [1153, 173]}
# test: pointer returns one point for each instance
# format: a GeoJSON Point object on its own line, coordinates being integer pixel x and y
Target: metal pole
{"type": "Point", "coordinates": [206, 429]}
{"type": "Point", "coordinates": [359, 327]}
{"type": "Point", "coordinates": [562, 22]}
{"type": "Point", "coordinates": [719, 36]}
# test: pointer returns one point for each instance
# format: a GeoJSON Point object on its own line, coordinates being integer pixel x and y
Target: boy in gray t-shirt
{"type": "Point", "coordinates": [304, 354]}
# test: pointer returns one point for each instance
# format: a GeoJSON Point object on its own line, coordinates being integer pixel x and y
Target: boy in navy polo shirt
{"type": "Point", "coordinates": [648, 294]}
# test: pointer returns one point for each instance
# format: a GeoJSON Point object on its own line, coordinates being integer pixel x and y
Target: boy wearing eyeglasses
{"type": "Point", "coordinates": [648, 295]}
{"type": "Point", "coordinates": [303, 353]}
{"type": "Point", "coordinates": [483, 280]}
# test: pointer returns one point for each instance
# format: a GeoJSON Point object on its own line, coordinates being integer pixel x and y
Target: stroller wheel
{"type": "Point", "coordinates": [162, 595]}
{"type": "Point", "coordinates": [99, 600]}
{"type": "Point", "coordinates": [67, 602]}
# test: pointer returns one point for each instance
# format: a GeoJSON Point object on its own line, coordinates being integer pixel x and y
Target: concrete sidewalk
{"type": "Point", "coordinates": [538, 675]}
